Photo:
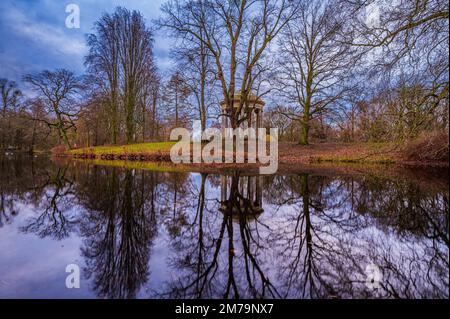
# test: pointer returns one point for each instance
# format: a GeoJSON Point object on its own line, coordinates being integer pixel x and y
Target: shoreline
{"type": "Point", "coordinates": [421, 175]}
{"type": "Point", "coordinates": [289, 154]}
{"type": "Point", "coordinates": [165, 159]}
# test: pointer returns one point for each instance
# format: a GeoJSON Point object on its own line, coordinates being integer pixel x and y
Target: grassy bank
{"type": "Point", "coordinates": [289, 153]}
{"type": "Point", "coordinates": [141, 148]}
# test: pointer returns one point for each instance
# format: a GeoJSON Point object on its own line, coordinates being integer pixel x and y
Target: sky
{"type": "Point", "coordinates": [35, 36]}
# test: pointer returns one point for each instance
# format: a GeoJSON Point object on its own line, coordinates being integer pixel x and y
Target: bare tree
{"type": "Point", "coordinates": [59, 92]}
{"type": "Point", "coordinates": [135, 55]}
{"type": "Point", "coordinates": [400, 28]}
{"type": "Point", "coordinates": [121, 59]}
{"type": "Point", "coordinates": [10, 95]}
{"type": "Point", "coordinates": [175, 97]}
{"type": "Point", "coordinates": [197, 67]}
{"type": "Point", "coordinates": [103, 65]}
{"type": "Point", "coordinates": [314, 67]}
{"type": "Point", "coordinates": [408, 38]}
{"type": "Point", "coordinates": [236, 34]}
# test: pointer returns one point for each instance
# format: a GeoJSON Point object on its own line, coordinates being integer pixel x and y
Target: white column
{"type": "Point", "coordinates": [258, 124]}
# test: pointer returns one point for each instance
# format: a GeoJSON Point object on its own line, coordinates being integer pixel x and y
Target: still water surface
{"type": "Point", "coordinates": [147, 234]}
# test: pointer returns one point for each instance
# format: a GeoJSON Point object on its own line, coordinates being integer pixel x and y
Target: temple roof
{"type": "Point", "coordinates": [252, 101]}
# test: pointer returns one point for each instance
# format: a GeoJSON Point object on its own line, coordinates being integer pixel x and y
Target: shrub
{"type": "Point", "coordinates": [430, 146]}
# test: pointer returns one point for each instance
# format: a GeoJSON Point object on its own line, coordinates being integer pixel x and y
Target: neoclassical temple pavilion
{"type": "Point", "coordinates": [254, 104]}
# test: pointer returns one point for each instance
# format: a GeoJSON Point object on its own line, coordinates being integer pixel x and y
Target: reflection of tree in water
{"type": "Point", "coordinates": [243, 201]}
{"type": "Point", "coordinates": [176, 199]}
{"type": "Point", "coordinates": [314, 241]}
{"type": "Point", "coordinates": [20, 177]}
{"type": "Point", "coordinates": [297, 236]}
{"type": "Point", "coordinates": [333, 238]}
{"type": "Point", "coordinates": [7, 194]}
{"type": "Point", "coordinates": [217, 253]}
{"type": "Point", "coordinates": [304, 247]}
{"type": "Point", "coordinates": [418, 219]}
{"type": "Point", "coordinates": [118, 229]}
{"type": "Point", "coordinates": [54, 217]}
{"type": "Point", "coordinates": [193, 244]}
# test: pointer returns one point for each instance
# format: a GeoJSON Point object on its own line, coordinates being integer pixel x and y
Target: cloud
{"type": "Point", "coordinates": [34, 35]}
{"type": "Point", "coordinates": [53, 38]}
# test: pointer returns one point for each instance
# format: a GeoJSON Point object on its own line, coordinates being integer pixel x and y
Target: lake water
{"type": "Point", "coordinates": [148, 234]}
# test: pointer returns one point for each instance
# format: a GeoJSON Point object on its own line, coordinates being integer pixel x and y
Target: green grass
{"type": "Point", "coordinates": [141, 148]}
{"type": "Point", "coordinates": [355, 156]}
{"type": "Point", "coordinates": [151, 166]}
{"type": "Point", "coordinates": [354, 159]}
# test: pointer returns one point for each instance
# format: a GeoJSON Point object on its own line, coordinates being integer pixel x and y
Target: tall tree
{"type": "Point", "coordinates": [121, 59]}
{"type": "Point", "coordinates": [135, 55]}
{"type": "Point", "coordinates": [314, 66]}
{"type": "Point", "coordinates": [236, 34]}
{"type": "Point", "coordinates": [103, 65]}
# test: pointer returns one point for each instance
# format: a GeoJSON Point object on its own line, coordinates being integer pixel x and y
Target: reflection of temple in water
{"type": "Point", "coordinates": [241, 195]}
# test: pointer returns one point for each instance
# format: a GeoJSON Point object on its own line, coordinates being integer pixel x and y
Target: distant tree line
{"type": "Point", "coordinates": [335, 70]}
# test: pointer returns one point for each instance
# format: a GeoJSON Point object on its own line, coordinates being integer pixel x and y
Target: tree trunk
{"type": "Point", "coordinates": [65, 139]}
{"type": "Point", "coordinates": [33, 139]}
{"type": "Point", "coordinates": [304, 134]}
{"type": "Point", "coordinates": [202, 88]}
{"type": "Point", "coordinates": [62, 131]}
{"type": "Point", "coordinates": [143, 121]}
{"type": "Point", "coordinates": [130, 106]}
{"type": "Point", "coordinates": [114, 121]}
{"type": "Point", "coordinates": [153, 124]}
